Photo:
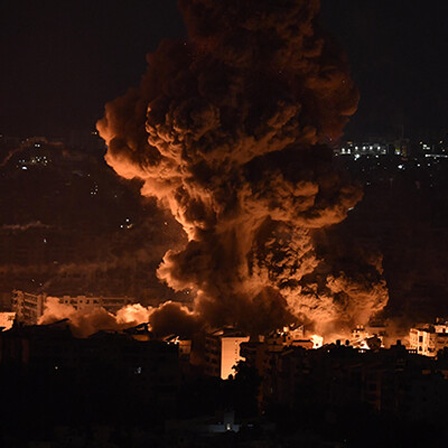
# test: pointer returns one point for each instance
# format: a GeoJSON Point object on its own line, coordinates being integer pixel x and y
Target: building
{"type": "Point", "coordinates": [257, 352]}
{"type": "Point", "coordinates": [339, 377]}
{"type": "Point", "coordinates": [109, 375]}
{"type": "Point", "coordinates": [222, 351]}
{"type": "Point", "coordinates": [30, 307]}
{"type": "Point", "coordinates": [184, 347]}
{"type": "Point", "coordinates": [364, 149]}
{"type": "Point", "coordinates": [428, 339]}
{"type": "Point", "coordinates": [112, 304]}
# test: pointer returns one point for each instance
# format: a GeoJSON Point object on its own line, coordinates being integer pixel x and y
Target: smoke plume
{"type": "Point", "coordinates": [169, 318]}
{"type": "Point", "coordinates": [83, 322]}
{"type": "Point", "coordinates": [230, 131]}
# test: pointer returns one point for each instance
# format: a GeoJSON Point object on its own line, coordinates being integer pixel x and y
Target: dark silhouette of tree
{"type": "Point", "coordinates": [245, 387]}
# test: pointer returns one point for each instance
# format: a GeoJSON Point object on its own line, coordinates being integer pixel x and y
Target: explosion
{"type": "Point", "coordinates": [230, 131]}
{"type": "Point", "coordinates": [87, 320]}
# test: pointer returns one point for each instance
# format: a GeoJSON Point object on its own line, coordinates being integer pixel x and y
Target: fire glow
{"type": "Point", "coordinates": [86, 320]}
{"type": "Point", "coordinates": [229, 131]}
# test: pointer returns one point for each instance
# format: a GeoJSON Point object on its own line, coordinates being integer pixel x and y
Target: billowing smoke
{"type": "Point", "coordinates": [167, 319]}
{"type": "Point", "coordinates": [83, 322]}
{"type": "Point", "coordinates": [230, 131]}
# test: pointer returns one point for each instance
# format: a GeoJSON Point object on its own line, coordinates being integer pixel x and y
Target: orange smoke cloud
{"type": "Point", "coordinates": [228, 132]}
{"type": "Point", "coordinates": [83, 322]}
{"type": "Point", "coordinates": [169, 318]}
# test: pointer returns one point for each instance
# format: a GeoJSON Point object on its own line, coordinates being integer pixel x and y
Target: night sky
{"type": "Point", "coordinates": [62, 61]}
{"type": "Point", "coordinates": [258, 227]}
{"type": "Point", "coordinates": [398, 53]}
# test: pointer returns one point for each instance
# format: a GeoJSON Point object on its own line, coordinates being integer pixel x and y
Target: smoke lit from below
{"type": "Point", "coordinates": [230, 132]}
{"type": "Point", "coordinates": [87, 320]}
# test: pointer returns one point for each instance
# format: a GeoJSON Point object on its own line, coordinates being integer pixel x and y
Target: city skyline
{"type": "Point", "coordinates": [300, 272]}
{"type": "Point", "coordinates": [188, 256]}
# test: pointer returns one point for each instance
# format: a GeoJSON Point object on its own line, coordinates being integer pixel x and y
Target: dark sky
{"type": "Point", "coordinates": [61, 61]}
{"type": "Point", "coordinates": [398, 52]}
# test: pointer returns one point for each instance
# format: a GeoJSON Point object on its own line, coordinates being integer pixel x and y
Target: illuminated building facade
{"type": "Point", "coordinates": [364, 149]}
{"type": "Point", "coordinates": [374, 148]}
{"type": "Point", "coordinates": [222, 351]}
{"type": "Point", "coordinates": [428, 339]}
{"type": "Point", "coordinates": [112, 304]}
{"type": "Point", "coordinates": [30, 307]}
